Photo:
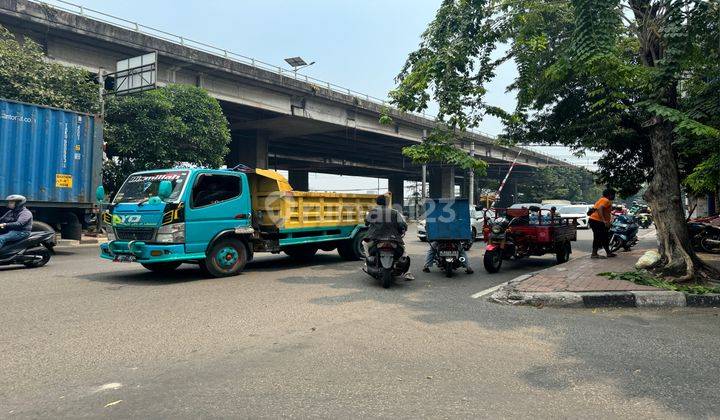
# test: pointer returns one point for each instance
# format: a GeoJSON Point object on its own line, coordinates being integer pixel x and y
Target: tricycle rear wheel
{"type": "Point", "coordinates": [492, 260]}
{"type": "Point", "coordinates": [562, 254]}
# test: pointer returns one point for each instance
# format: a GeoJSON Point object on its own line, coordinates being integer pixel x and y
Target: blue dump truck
{"type": "Point", "coordinates": [219, 219]}
{"type": "Point", "coordinates": [54, 158]}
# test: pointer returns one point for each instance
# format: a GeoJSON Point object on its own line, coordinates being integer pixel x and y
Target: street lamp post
{"type": "Point", "coordinates": [298, 63]}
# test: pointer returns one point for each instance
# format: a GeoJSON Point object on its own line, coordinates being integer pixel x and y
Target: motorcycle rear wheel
{"type": "Point", "coordinates": [44, 253]}
{"type": "Point", "coordinates": [386, 278]}
{"type": "Point", "coordinates": [448, 270]}
{"type": "Point", "coordinates": [708, 247]}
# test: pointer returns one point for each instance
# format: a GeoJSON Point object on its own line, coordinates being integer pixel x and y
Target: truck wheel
{"type": "Point", "coordinates": [166, 267]}
{"type": "Point", "coordinates": [301, 252]}
{"type": "Point", "coordinates": [71, 228]}
{"type": "Point", "coordinates": [492, 260]}
{"type": "Point", "coordinates": [353, 249]}
{"type": "Point", "coordinates": [562, 254]}
{"type": "Point", "coordinates": [227, 257]}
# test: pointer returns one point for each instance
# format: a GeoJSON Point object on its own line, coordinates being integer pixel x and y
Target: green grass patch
{"type": "Point", "coordinates": [646, 279]}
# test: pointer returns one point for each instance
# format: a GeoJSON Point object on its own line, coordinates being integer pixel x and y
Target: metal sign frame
{"type": "Point", "coordinates": [136, 74]}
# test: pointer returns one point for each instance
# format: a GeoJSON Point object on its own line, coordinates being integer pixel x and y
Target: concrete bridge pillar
{"type": "Point", "coordinates": [396, 185]}
{"type": "Point", "coordinates": [442, 182]}
{"type": "Point", "coordinates": [299, 180]}
{"type": "Point", "coordinates": [249, 148]}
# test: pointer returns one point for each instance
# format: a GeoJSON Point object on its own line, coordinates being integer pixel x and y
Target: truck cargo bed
{"type": "Point", "coordinates": [281, 208]}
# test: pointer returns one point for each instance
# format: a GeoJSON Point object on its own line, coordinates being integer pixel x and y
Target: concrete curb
{"type": "Point", "coordinates": [629, 299]}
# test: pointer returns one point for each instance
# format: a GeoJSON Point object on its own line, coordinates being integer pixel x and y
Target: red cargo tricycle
{"type": "Point", "coordinates": [518, 233]}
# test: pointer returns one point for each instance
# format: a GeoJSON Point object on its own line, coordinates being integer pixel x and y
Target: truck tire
{"type": "Point", "coordinates": [72, 228]}
{"type": "Point", "coordinates": [352, 249]}
{"type": "Point", "coordinates": [163, 268]}
{"type": "Point", "coordinates": [227, 257]}
{"type": "Point", "coordinates": [301, 252]}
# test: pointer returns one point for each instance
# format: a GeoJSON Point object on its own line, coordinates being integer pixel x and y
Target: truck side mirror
{"type": "Point", "coordinates": [100, 194]}
{"type": "Point", "coordinates": [164, 190]}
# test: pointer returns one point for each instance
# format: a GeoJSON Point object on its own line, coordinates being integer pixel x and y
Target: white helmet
{"type": "Point", "coordinates": [19, 200]}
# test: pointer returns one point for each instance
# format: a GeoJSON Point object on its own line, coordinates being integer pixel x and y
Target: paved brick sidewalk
{"type": "Point", "coordinates": [581, 275]}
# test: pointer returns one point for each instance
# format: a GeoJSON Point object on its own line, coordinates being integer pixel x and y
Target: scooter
{"type": "Point", "coordinates": [33, 251]}
{"type": "Point", "coordinates": [385, 261]}
{"type": "Point", "coordinates": [447, 256]}
{"type": "Point", "coordinates": [623, 233]}
{"type": "Point", "coordinates": [704, 237]}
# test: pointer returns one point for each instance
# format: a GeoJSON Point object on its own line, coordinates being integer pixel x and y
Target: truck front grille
{"type": "Point", "coordinates": [135, 234]}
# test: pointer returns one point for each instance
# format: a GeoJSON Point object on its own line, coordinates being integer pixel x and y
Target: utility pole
{"type": "Point", "coordinates": [471, 176]}
{"type": "Point", "coordinates": [424, 172]}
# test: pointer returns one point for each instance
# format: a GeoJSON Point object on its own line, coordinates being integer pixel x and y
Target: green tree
{"type": "Point", "coordinates": [574, 184]}
{"type": "Point", "coordinates": [635, 79]}
{"type": "Point", "coordinates": [441, 147]}
{"type": "Point", "coordinates": [162, 128]}
{"type": "Point", "coordinates": [25, 76]}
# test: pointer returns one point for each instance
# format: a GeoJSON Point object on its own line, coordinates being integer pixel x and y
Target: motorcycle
{"type": "Point", "coordinates": [385, 261]}
{"type": "Point", "coordinates": [704, 237]}
{"type": "Point", "coordinates": [447, 256]}
{"type": "Point", "coordinates": [33, 251]}
{"type": "Point", "coordinates": [644, 220]}
{"type": "Point", "coordinates": [623, 233]}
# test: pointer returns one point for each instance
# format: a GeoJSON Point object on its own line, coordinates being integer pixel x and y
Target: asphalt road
{"type": "Point", "coordinates": [83, 337]}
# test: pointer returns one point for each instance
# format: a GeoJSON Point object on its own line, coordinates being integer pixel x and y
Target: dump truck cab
{"type": "Point", "coordinates": [220, 218]}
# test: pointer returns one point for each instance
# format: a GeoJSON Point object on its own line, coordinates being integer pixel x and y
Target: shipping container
{"type": "Point", "coordinates": [54, 158]}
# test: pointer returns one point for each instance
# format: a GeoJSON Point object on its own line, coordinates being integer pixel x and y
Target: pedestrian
{"type": "Point", "coordinates": [600, 218]}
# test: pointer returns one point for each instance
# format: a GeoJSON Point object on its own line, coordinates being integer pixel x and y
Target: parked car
{"type": "Point", "coordinates": [476, 224]}
{"type": "Point", "coordinates": [576, 211]}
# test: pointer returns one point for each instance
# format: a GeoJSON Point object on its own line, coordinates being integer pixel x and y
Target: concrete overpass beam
{"type": "Point", "coordinates": [442, 182]}
{"type": "Point", "coordinates": [299, 180]}
{"type": "Point", "coordinates": [249, 148]}
{"type": "Point", "coordinates": [396, 185]}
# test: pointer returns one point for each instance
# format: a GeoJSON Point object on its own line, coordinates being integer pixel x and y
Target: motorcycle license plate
{"type": "Point", "coordinates": [125, 258]}
{"type": "Point", "coordinates": [448, 253]}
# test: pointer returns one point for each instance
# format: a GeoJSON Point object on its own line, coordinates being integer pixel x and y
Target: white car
{"type": "Point", "coordinates": [576, 211]}
{"type": "Point", "coordinates": [476, 217]}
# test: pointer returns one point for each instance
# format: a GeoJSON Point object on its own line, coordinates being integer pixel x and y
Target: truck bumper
{"type": "Point", "coordinates": [147, 253]}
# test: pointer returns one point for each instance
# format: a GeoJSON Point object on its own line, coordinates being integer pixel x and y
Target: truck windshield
{"type": "Point", "coordinates": [140, 187]}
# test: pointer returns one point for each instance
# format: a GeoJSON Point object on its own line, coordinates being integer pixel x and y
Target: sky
{"type": "Point", "coordinates": [358, 44]}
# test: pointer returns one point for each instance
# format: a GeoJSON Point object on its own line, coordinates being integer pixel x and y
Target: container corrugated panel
{"type": "Point", "coordinates": [447, 218]}
{"type": "Point", "coordinates": [49, 155]}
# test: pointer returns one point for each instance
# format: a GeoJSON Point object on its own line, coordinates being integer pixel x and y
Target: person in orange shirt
{"type": "Point", "coordinates": [600, 223]}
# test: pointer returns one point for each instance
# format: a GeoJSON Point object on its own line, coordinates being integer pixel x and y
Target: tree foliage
{"type": "Point", "coordinates": [163, 128]}
{"type": "Point", "coordinates": [440, 147]}
{"type": "Point", "coordinates": [563, 183]}
{"type": "Point", "coordinates": [637, 80]}
{"type": "Point", "coordinates": [26, 76]}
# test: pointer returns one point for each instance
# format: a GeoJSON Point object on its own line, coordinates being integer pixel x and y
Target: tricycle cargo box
{"type": "Point", "coordinates": [448, 219]}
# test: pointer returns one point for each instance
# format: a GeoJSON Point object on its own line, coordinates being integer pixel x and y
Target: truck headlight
{"type": "Point", "coordinates": [173, 233]}
{"type": "Point", "coordinates": [110, 231]}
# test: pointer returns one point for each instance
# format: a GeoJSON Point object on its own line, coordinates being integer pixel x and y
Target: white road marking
{"type": "Point", "coordinates": [487, 291]}
{"type": "Point", "coordinates": [109, 386]}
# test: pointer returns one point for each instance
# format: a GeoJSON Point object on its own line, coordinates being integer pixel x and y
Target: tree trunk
{"type": "Point", "coordinates": [664, 196]}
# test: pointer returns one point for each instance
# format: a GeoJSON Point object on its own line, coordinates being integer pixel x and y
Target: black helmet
{"type": "Point", "coordinates": [19, 200]}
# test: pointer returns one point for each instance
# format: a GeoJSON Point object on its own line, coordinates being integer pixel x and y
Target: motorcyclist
{"type": "Point", "coordinates": [385, 223]}
{"type": "Point", "coordinates": [16, 223]}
